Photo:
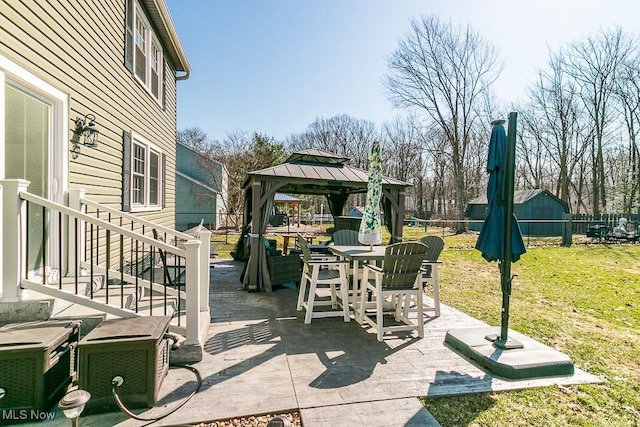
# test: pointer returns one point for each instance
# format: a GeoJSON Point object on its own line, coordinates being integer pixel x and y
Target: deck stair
{"type": "Point", "coordinates": [113, 264]}
{"type": "Point", "coordinates": [134, 300]}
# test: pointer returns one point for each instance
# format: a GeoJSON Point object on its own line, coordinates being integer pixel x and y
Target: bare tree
{"type": "Point", "coordinates": [342, 135]}
{"type": "Point", "coordinates": [595, 65]}
{"type": "Point", "coordinates": [403, 155]}
{"type": "Point", "coordinates": [240, 153]}
{"type": "Point", "coordinates": [194, 138]}
{"type": "Point", "coordinates": [443, 72]}
{"type": "Point", "coordinates": [557, 128]}
{"type": "Point", "coordinates": [627, 90]}
{"type": "Point", "coordinates": [243, 153]}
{"type": "Point", "coordinates": [438, 155]}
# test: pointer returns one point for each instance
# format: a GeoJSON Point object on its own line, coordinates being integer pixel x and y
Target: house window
{"type": "Point", "coordinates": [156, 70]}
{"type": "Point", "coordinates": [143, 56]}
{"type": "Point", "coordinates": [146, 175]}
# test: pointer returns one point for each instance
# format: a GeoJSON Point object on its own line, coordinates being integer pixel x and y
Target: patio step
{"type": "Point", "coordinates": [68, 284]}
{"type": "Point", "coordinates": [127, 294]}
{"type": "Point", "coordinates": [149, 303]}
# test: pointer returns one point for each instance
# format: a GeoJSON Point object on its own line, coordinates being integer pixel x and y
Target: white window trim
{"type": "Point", "coordinates": [149, 146]}
{"type": "Point", "coordinates": [59, 122]}
{"type": "Point", "coordinates": [58, 140]}
{"type": "Point", "coordinates": [149, 40]}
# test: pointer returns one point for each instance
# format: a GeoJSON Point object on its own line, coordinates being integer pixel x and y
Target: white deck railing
{"type": "Point", "coordinates": [74, 230]}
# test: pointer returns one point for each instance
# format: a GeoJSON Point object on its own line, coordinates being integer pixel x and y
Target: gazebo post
{"type": "Point", "coordinates": [399, 214]}
{"type": "Point", "coordinates": [254, 257]}
{"type": "Point", "coordinates": [395, 196]}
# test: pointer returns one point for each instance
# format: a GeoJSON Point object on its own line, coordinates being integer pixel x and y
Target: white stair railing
{"type": "Point", "coordinates": [13, 254]}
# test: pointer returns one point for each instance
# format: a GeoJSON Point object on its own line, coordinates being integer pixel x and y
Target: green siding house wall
{"type": "Point", "coordinates": [84, 50]}
{"type": "Point", "coordinates": [200, 190]}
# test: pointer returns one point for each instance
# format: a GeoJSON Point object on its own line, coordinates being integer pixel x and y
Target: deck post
{"type": "Point", "coordinates": [75, 242]}
{"type": "Point", "coordinates": [205, 255]}
{"type": "Point", "coordinates": [13, 254]}
{"type": "Point", "coordinates": [193, 273]}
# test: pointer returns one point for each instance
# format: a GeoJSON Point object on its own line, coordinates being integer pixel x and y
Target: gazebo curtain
{"type": "Point", "coordinates": [240, 253]}
{"type": "Point", "coordinates": [336, 203]}
{"type": "Point", "coordinates": [388, 220]}
{"type": "Point", "coordinates": [393, 215]}
{"type": "Point", "coordinates": [257, 255]}
{"type": "Point", "coordinates": [265, 213]}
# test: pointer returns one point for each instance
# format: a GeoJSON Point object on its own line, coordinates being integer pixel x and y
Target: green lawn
{"type": "Point", "coordinates": [583, 300]}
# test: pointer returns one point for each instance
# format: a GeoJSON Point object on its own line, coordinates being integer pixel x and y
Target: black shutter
{"type": "Point", "coordinates": [164, 181]}
{"type": "Point", "coordinates": [126, 172]}
{"type": "Point", "coordinates": [128, 36]}
{"type": "Point", "coordinates": [164, 85]}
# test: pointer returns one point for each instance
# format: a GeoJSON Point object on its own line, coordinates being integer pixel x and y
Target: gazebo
{"type": "Point", "coordinates": [309, 172]}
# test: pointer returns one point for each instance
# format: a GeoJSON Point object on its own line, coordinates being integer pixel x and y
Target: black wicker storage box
{"type": "Point", "coordinates": [37, 364]}
{"type": "Point", "coordinates": [135, 349]}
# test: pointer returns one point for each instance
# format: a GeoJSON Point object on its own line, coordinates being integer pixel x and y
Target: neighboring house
{"type": "Point", "coordinates": [538, 212]}
{"type": "Point", "coordinates": [68, 68]}
{"type": "Point", "coordinates": [356, 211]}
{"type": "Point", "coordinates": [200, 190]}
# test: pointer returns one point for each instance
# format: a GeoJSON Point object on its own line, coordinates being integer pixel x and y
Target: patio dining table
{"type": "Point", "coordinates": [357, 255]}
{"type": "Point", "coordinates": [285, 240]}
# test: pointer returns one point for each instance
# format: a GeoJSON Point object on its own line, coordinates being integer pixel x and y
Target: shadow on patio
{"type": "Point", "coordinates": [260, 358]}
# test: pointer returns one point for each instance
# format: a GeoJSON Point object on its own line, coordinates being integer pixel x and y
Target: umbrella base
{"type": "Point", "coordinates": [531, 360]}
{"type": "Point", "coordinates": [509, 344]}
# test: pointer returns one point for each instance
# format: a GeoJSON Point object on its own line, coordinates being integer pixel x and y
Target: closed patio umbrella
{"type": "Point", "coordinates": [370, 232]}
{"type": "Point", "coordinates": [500, 238]}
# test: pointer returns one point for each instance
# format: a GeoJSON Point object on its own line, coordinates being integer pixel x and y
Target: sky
{"type": "Point", "coordinates": [275, 66]}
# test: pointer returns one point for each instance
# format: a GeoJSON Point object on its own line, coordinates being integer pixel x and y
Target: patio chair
{"type": "Point", "coordinates": [282, 268]}
{"type": "Point", "coordinates": [430, 275]}
{"type": "Point", "coordinates": [399, 277]}
{"type": "Point", "coordinates": [318, 272]}
{"type": "Point", "coordinates": [345, 238]}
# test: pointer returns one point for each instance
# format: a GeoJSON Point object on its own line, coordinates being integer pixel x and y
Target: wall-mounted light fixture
{"type": "Point", "coordinates": [85, 133]}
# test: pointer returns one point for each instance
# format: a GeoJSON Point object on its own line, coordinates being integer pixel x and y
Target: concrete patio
{"type": "Point", "coordinates": [261, 358]}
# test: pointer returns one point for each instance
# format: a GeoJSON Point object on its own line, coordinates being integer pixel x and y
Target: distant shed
{"type": "Point", "coordinates": [534, 205]}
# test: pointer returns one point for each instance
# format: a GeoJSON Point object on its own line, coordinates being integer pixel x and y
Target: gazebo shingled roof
{"type": "Point", "coordinates": [310, 172]}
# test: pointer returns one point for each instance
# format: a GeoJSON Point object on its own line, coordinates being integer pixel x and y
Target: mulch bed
{"type": "Point", "coordinates": [253, 421]}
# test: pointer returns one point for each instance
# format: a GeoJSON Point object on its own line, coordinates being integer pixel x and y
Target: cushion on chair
{"type": "Point", "coordinates": [270, 246]}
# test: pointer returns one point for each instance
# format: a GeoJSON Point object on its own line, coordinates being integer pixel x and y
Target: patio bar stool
{"type": "Point", "coordinates": [435, 244]}
{"type": "Point", "coordinates": [321, 272]}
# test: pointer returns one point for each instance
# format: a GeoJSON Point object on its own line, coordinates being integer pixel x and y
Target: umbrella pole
{"type": "Point", "coordinates": [505, 265]}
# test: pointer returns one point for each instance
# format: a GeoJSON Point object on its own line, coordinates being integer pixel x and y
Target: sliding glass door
{"type": "Point", "coordinates": [27, 140]}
